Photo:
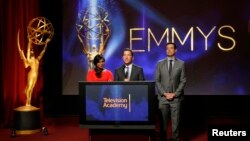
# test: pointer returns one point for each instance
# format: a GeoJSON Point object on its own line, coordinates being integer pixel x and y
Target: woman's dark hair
{"type": "Point", "coordinates": [97, 59]}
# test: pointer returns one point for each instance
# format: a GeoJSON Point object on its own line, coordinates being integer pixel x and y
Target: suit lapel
{"type": "Point", "coordinates": [132, 72]}
{"type": "Point", "coordinates": [166, 67]}
{"type": "Point", "coordinates": [122, 74]}
{"type": "Point", "coordinates": [176, 64]}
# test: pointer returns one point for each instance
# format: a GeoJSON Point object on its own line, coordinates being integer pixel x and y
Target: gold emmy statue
{"type": "Point", "coordinates": [93, 32]}
{"type": "Point", "coordinates": [40, 32]}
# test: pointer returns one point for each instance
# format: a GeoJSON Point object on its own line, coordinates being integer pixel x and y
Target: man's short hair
{"type": "Point", "coordinates": [127, 49]}
{"type": "Point", "coordinates": [171, 43]}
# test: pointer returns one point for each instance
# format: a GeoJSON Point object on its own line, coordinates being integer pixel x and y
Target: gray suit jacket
{"type": "Point", "coordinates": [164, 81]}
{"type": "Point", "coordinates": [136, 73]}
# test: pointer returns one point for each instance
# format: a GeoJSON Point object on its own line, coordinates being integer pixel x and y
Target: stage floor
{"type": "Point", "coordinates": [67, 128]}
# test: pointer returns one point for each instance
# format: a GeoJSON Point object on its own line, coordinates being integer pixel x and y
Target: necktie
{"type": "Point", "coordinates": [170, 66]}
{"type": "Point", "coordinates": [126, 72]}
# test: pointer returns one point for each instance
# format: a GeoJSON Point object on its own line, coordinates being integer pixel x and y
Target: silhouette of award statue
{"type": "Point", "coordinates": [40, 32]}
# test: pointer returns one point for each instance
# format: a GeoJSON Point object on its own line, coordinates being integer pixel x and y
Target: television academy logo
{"type": "Point", "coordinates": [117, 102]}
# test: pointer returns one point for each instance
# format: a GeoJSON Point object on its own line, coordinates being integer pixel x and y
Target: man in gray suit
{"type": "Point", "coordinates": [129, 71]}
{"type": "Point", "coordinates": [170, 80]}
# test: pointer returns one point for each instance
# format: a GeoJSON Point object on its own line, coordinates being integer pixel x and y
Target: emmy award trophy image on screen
{"type": "Point", "coordinates": [93, 31]}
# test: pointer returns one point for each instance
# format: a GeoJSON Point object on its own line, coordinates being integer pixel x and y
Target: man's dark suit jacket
{"type": "Point", "coordinates": [136, 73]}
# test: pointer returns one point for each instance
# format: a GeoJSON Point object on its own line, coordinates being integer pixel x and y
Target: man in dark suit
{"type": "Point", "coordinates": [170, 80]}
{"type": "Point", "coordinates": [129, 71]}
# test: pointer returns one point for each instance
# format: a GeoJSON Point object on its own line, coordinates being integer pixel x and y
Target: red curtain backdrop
{"type": "Point", "coordinates": [15, 15]}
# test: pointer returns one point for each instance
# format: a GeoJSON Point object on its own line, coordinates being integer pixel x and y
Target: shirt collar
{"type": "Point", "coordinates": [130, 65]}
{"type": "Point", "coordinates": [171, 58]}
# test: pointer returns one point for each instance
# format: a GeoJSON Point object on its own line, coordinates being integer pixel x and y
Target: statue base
{"type": "Point", "coordinates": [26, 120]}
